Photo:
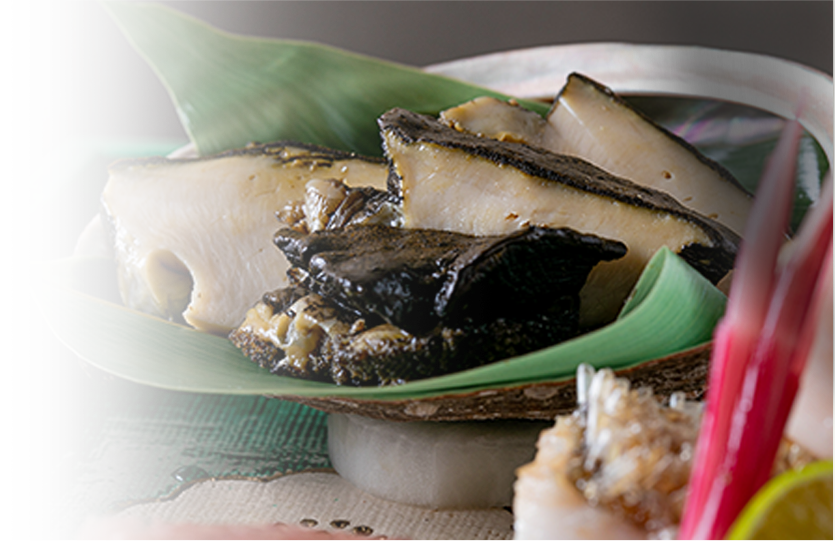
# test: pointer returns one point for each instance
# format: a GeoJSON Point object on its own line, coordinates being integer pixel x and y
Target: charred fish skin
{"type": "Point", "coordinates": [443, 175]}
{"type": "Point", "coordinates": [414, 278]}
{"type": "Point", "coordinates": [185, 228]}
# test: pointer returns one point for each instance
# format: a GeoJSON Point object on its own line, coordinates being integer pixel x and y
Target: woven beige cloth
{"type": "Point", "coordinates": [323, 500]}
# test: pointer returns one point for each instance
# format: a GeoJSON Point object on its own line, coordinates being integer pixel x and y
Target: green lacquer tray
{"type": "Point", "coordinates": [79, 447]}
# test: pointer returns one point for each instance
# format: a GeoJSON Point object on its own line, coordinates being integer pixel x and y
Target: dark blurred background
{"type": "Point", "coordinates": [73, 72]}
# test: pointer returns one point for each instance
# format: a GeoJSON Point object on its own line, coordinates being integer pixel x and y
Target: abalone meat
{"type": "Point", "coordinates": [192, 236]}
{"type": "Point", "coordinates": [375, 305]}
{"type": "Point", "coordinates": [457, 181]}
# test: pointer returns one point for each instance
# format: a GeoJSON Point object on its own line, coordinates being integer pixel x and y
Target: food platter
{"type": "Point", "coordinates": [674, 93]}
{"type": "Point", "coordinates": [762, 82]}
{"type": "Point", "coordinates": [671, 310]}
{"type": "Point", "coordinates": [538, 385]}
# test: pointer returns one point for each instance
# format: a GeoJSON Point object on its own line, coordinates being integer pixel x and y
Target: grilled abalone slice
{"type": "Point", "coordinates": [193, 236]}
{"type": "Point", "coordinates": [456, 181]}
{"type": "Point", "coordinates": [591, 122]}
{"type": "Point", "coordinates": [415, 278]}
{"type": "Point", "coordinates": [382, 305]}
{"type": "Point", "coordinates": [499, 119]}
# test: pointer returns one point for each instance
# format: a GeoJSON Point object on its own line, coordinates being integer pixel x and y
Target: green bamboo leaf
{"type": "Point", "coordinates": [231, 90]}
{"type": "Point", "coordinates": [673, 309]}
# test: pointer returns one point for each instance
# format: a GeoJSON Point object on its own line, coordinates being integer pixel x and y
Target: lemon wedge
{"type": "Point", "coordinates": [796, 505]}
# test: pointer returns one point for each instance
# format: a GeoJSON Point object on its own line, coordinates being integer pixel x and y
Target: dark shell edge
{"type": "Point", "coordinates": [684, 371]}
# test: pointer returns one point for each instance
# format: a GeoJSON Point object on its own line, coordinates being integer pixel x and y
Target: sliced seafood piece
{"type": "Point", "coordinates": [193, 236]}
{"type": "Point", "coordinates": [503, 120]}
{"type": "Point", "coordinates": [415, 278]}
{"type": "Point", "coordinates": [456, 181]}
{"type": "Point", "coordinates": [383, 305]}
{"type": "Point", "coordinates": [591, 122]}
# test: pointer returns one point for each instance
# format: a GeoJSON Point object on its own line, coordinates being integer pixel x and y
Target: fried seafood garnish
{"type": "Point", "coordinates": [627, 455]}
